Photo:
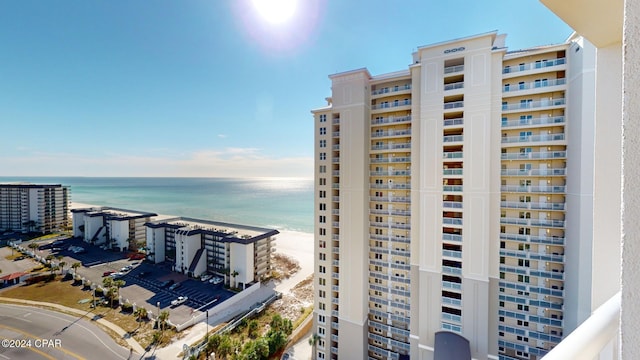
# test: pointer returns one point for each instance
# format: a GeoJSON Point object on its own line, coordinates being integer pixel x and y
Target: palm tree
{"type": "Point", "coordinates": [117, 284]}
{"type": "Point", "coordinates": [234, 274]}
{"type": "Point", "coordinates": [313, 341]}
{"type": "Point", "coordinates": [49, 258]}
{"type": "Point", "coordinates": [226, 273]}
{"type": "Point", "coordinates": [62, 265]}
{"type": "Point", "coordinates": [140, 313]}
{"type": "Point", "coordinates": [75, 267]}
{"type": "Point", "coordinates": [33, 246]}
{"type": "Point", "coordinates": [162, 319]}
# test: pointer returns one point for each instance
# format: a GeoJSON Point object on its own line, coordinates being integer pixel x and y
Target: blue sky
{"type": "Point", "coordinates": [206, 88]}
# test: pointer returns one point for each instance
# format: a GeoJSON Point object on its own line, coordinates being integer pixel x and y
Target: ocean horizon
{"type": "Point", "coordinates": [279, 203]}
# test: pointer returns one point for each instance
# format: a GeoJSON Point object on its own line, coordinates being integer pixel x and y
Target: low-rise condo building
{"type": "Point", "coordinates": [28, 207]}
{"type": "Point", "coordinates": [112, 227]}
{"type": "Point", "coordinates": [446, 196]}
{"type": "Point", "coordinates": [242, 254]}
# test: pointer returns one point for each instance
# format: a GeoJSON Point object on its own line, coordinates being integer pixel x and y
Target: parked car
{"type": "Point", "coordinates": [107, 273]}
{"type": "Point", "coordinates": [180, 300]}
{"type": "Point", "coordinates": [117, 275]}
{"type": "Point", "coordinates": [167, 283]}
{"type": "Point", "coordinates": [205, 277]}
{"type": "Point", "coordinates": [216, 280]}
{"type": "Point", "coordinates": [126, 268]}
{"type": "Point", "coordinates": [175, 286]}
{"type": "Point", "coordinates": [143, 274]}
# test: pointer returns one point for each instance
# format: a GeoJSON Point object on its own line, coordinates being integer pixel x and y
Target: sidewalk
{"type": "Point", "coordinates": [133, 344]}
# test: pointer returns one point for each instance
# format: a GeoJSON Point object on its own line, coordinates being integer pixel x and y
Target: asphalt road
{"type": "Point", "coordinates": [31, 333]}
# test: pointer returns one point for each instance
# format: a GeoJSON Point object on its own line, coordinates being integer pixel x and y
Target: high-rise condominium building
{"type": "Point", "coordinates": [30, 207]}
{"type": "Point", "coordinates": [455, 195]}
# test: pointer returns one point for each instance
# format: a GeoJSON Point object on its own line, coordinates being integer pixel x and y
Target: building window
{"type": "Point", "coordinates": [323, 181]}
{"type": "Point", "coordinates": [323, 131]}
{"type": "Point", "coordinates": [322, 256]}
{"type": "Point", "coordinates": [323, 156]}
{"type": "Point", "coordinates": [322, 294]}
{"type": "Point", "coordinates": [321, 319]}
{"type": "Point", "coordinates": [323, 169]}
{"type": "Point", "coordinates": [322, 219]}
{"type": "Point", "coordinates": [320, 330]}
{"type": "Point", "coordinates": [322, 281]}
{"type": "Point", "coordinates": [322, 269]}
{"type": "Point", "coordinates": [323, 118]}
{"type": "Point", "coordinates": [323, 194]}
{"type": "Point", "coordinates": [322, 231]}
{"type": "Point", "coordinates": [322, 306]}
{"type": "Point", "coordinates": [323, 206]}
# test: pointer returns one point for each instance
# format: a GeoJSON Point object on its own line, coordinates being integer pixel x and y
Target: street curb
{"type": "Point", "coordinates": [133, 344]}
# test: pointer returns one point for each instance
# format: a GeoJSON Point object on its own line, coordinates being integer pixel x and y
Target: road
{"type": "Point", "coordinates": [31, 333]}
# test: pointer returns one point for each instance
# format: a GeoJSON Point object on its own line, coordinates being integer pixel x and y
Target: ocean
{"type": "Point", "coordinates": [280, 203]}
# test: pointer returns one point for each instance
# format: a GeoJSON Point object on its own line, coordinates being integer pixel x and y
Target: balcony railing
{"type": "Point", "coordinates": [394, 89]}
{"type": "Point", "coordinates": [391, 133]}
{"type": "Point", "coordinates": [533, 104]}
{"type": "Point", "coordinates": [391, 120]}
{"type": "Point", "coordinates": [393, 104]}
{"type": "Point", "coordinates": [453, 86]}
{"type": "Point", "coordinates": [532, 205]}
{"type": "Point", "coordinates": [453, 105]}
{"type": "Point", "coordinates": [453, 122]}
{"type": "Point", "coordinates": [451, 171]}
{"type": "Point", "coordinates": [393, 159]}
{"type": "Point", "coordinates": [453, 69]}
{"type": "Point", "coordinates": [532, 138]}
{"type": "Point", "coordinates": [533, 189]}
{"type": "Point", "coordinates": [534, 155]}
{"type": "Point", "coordinates": [543, 120]}
{"type": "Point", "coordinates": [533, 85]}
{"type": "Point", "coordinates": [391, 146]}
{"type": "Point", "coordinates": [534, 65]}
{"type": "Point", "coordinates": [593, 336]}
{"type": "Point", "coordinates": [534, 172]}
{"type": "Point", "coordinates": [452, 138]}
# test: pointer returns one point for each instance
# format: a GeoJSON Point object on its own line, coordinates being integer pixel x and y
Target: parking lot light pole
{"type": "Point", "coordinates": [207, 337]}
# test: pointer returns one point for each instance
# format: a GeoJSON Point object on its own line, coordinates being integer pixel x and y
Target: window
{"type": "Point", "coordinates": [322, 219]}
{"type": "Point", "coordinates": [506, 87]}
{"type": "Point", "coordinates": [322, 231]}
{"type": "Point", "coordinates": [525, 103]}
{"type": "Point", "coordinates": [322, 256]}
{"type": "Point", "coordinates": [322, 244]}
{"type": "Point", "coordinates": [322, 281]}
{"type": "Point", "coordinates": [322, 294]}
{"type": "Point", "coordinates": [323, 181]}
{"type": "Point", "coordinates": [320, 330]}
{"type": "Point", "coordinates": [322, 269]}
{"type": "Point", "coordinates": [323, 169]}
{"type": "Point", "coordinates": [323, 156]}
{"type": "Point", "coordinates": [505, 105]}
{"type": "Point", "coordinates": [323, 143]}
{"type": "Point", "coordinates": [525, 119]}
{"type": "Point", "coordinates": [321, 319]}
{"type": "Point", "coordinates": [323, 118]}
{"type": "Point", "coordinates": [323, 207]}
{"type": "Point", "coordinates": [323, 131]}
{"type": "Point", "coordinates": [322, 306]}
{"type": "Point", "coordinates": [523, 278]}
{"type": "Point", "coordinates": [323, 194]}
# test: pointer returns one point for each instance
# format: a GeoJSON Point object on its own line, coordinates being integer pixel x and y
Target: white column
{"type": "Point", "coordinates": [630, 308]}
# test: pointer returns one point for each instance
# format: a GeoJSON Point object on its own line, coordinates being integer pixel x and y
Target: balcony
{"type": "Point", "coordinates": [454, 86]}
{"type": "Point", "coordinates": [452, 155]}
{"type": "Point", "coordinates": [532, 205]}
{"type": "Point", "coordinates": [527, 105]}
{"type": "Point", "coordinates": [533, 189]}
{"type": "Point", "coordinates": [453, 105]}
{"type": "Point", "coordinates": [390, 133]}
{"type": "Point", "coordinates": [405, 145]}
{"type": "Point", "coordinates": [451, 221]}
{"type": "Point", "coordinates": [532, 138]}
{"type": "Point", "coordinates": [453, 122]}
{"type": "Point", "coordinates": [401, 199]}
{"type": "Point", "coordinates": [454, 69]}
{"type": "Point", "coordinates": [390, 105]}
{"type": "Point", "coordinates": [452, 138]}
{"type": "Point", "coordinates": [391, 120]}
{"type": "Point", "coordinates": [451, 171]}
{"type": "Point", "coordinates": [537, 155]}
{"type": "Point", "coordinates": [532, 222]}
{"type": "Point", "coordinates": [534, 172]}
{"type": "Point", "coordinates": [391, 186]}
{"type": "Point", "coordinates": [452, 204]}
{"type": "Point", "coordinates": [538, 84]}
{"type": "Point", "coordinates": [452, 188]}
{"type": "Point", "coordinates": [532, 66]}
{"type": "Point", "coordinates": [594, 337]}
{"type": "Point", "coordinates": [392, 159]}
{"type": "Point", "coordinates": [543, 120]}
{"type": "Point", "coordinates": [387, 90]}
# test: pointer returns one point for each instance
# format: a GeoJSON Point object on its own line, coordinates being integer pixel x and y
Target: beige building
{"type": "Point", "coordinates": [31, 207]}
{"type": "Point", "coordinates": [447, 196]}
{"type": "Point", "coordinates": [242, 254]}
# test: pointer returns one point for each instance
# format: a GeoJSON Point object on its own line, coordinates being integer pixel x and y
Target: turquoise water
{"type": "Point", "coordinates": [281, 203]}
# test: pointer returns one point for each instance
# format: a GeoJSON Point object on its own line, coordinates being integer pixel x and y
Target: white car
{"type": "Point", "coordinates": [117, 275]}
{"type": "Point", "coordinates": [180, 300]}
{"type": "Point", "coordinates": [206, 277]}
{"type": "Point", "coordinates": [126, 268]}
{"type": "Point", "coordinates": [216, 280]}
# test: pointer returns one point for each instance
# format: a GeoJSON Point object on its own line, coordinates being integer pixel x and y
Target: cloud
{"type": "Point", "coordinates": [229, 162]}
{"type": "Point", "coordinates": [222, 136]}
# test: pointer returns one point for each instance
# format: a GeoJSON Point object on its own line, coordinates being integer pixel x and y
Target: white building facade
{"type": "Point", "coordinates": [114, 228]}
{"type": "Point", "coordinates": [446, 195]}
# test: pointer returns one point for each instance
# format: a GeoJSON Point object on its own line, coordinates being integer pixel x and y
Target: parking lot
{"type": "Point", "coordinates": [146, 284]}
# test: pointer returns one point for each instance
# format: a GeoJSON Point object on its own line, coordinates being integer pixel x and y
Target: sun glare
{"type": "Point", "coordinates": [275, 11]}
